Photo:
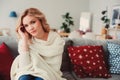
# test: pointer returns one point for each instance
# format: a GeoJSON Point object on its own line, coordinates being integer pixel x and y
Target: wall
{"type": "Point", "coordinates": [53, 9]}
{"type": "Point", "coordinates": [96, 6]}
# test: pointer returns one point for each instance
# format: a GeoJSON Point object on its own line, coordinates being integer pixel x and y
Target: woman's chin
{"type": "Point", "coordinates": [34, 35]}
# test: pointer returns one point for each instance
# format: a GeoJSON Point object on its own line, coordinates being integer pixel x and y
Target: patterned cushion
{"type": "Point", "coordinates": [88, 61]}
{"type": "Point", "coordinates": [114, 57]}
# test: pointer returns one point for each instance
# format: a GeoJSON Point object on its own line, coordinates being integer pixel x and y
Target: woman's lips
{"type": "Point", "coordinates": [32, 32]}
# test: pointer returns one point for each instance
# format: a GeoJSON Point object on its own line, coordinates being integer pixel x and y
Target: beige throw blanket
{"type": "Point", "coordinates": [45, 59]}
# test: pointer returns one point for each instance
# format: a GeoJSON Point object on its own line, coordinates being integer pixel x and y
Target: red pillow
{"type": "Point", "coordinates": [88, 61]}
{"type": "Point", "coordinates": [6, 59]}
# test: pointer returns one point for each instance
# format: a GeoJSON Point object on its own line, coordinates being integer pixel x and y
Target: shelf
{"type": "Point", "coordinates": [63, 34]}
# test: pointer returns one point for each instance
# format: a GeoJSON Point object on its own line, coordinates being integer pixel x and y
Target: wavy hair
{"type": "Point", "coordinates": [36, 13]}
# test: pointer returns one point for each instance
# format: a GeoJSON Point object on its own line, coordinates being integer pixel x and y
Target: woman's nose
{"type": "Point", "coordinates": [31, 27]}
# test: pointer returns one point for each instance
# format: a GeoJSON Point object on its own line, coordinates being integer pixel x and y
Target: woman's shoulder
{"type": "Point", "coordinates": [56, 37]}
{"type": "Point", "coordinates": [54, 33]}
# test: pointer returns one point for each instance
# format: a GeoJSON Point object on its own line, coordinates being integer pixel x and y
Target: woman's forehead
{"type": "Point", "coordinates": [28, 18]}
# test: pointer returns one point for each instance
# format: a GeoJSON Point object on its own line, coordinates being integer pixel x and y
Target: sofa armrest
{"type": "Point", "coordinates": [68, 76]}
{"type": "Point", "coordinates": [66, 63]}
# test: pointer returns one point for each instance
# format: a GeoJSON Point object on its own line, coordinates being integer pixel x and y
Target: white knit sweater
{"type": "Point", "coordinates": [43, 59]}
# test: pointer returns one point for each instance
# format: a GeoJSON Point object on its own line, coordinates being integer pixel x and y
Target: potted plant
{"type": "Point", "coordinates": [68, 21]}
{"type": "Point", "coordinates": [105, 19]}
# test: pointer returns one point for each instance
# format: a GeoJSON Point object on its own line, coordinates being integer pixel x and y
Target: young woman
{"type": "Point", "coordinates": [40, 50]}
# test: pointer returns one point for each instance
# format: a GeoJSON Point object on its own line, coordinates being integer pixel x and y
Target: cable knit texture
{"type": "Point", "coordinates": [43, 59]}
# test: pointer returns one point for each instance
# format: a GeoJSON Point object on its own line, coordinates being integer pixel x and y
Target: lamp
{"type": "Point", "coordinates": [13, 14]}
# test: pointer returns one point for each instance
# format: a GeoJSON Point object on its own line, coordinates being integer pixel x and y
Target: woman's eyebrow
{"type": "Point", "coordinates": [32, 20]}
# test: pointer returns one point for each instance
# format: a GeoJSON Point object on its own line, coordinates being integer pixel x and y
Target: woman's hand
{"type": "Point", "coordinates": [24, 39]}
{"type": "Point", "coordinates": [24, 35]}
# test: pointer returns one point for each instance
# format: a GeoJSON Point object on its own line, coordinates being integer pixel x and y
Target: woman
{"type": "Point", "coordinates": [40, 50]}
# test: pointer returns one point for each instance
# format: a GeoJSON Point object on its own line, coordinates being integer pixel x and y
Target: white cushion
{"type": "Point", "coordinates": [89, 35]}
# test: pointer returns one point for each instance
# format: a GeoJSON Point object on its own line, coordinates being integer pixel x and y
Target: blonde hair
{"type": "Point", "coordinates": [36, 13]}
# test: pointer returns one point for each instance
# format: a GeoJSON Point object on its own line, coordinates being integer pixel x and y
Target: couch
{"type": "Point", "coordinates": [67, 66]}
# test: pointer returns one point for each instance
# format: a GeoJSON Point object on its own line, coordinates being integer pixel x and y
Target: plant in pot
{"type": "Point", "coordinates": [106, 22]}
{"type": "Point", "coordinates": [67, 23]}
{"type": "Point", "coordinates": [105, 19]}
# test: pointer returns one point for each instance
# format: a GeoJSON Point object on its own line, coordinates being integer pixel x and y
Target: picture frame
{"type": "Point", "coordinates": [85, 21]}
{"type": "Point", "coordinates": [115, 19]}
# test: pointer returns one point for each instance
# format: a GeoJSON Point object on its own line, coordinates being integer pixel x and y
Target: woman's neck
{"type": "Point", "coordinates": [43, 37]}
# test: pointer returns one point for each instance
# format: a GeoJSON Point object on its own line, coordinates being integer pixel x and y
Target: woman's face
{"type": "Point", "coordinates": [33, 26]}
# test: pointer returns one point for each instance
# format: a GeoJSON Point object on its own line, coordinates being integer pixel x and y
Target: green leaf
{"type": "Point", "coordinates": [103, 12]}
{"type": "Point", "coordinates": [65, 25]}
{"type": "Point", "coordinates": [67, 15]}
{"type": "Point", "coordinates": [67, 20]}
{"type": "Point", "coordinates": [71, 23]}
{"type": "Point", "coordinates": [61, 27]}
{"type": "Point", "coordinates": [103, 18]}
{"type": "Point", "coordinates": [106, 20]}
{"type": "Point", "coordinates": [70, 17]}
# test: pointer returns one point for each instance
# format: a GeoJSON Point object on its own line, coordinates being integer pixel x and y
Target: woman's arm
{"type": "Point", "coordinates": [23, 49]}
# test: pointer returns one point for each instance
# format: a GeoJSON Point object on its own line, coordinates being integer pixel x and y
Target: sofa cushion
{"type": "Point", "coordinates": [114, 57]}
{"type": "Point", "coordinates": [88, 61]}
{"type": "Point", "coordinates": [6, 59]}
{"type": "Point", "coordinates": [82, 42]}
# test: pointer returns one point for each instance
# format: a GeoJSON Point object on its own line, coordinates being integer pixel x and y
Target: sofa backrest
{"type": "Point", "coordinates": [82, 41]}
{"type": "Point", "coordinates": [66, 62]}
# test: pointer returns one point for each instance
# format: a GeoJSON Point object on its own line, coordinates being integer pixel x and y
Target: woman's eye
{"type": "Point", "coordinates": [25, 25]}
{"type": "Point", "coordinates": [32, 22]}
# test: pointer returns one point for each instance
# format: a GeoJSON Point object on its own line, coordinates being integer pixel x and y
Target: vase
{"type": "Point", "coordinates": [104, 31]}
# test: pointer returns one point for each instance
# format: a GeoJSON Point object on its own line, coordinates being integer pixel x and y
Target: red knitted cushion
{"type": "Point", "coordinates": [6, 59]}
{"type": "Point", "coordinates": [88, 61]}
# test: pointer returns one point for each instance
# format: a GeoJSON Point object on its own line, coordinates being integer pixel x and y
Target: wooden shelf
{"type": "Point", "coordinates": [63, 34]}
